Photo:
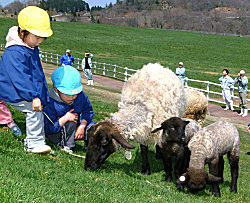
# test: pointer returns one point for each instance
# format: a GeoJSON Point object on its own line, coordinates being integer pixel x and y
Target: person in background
{"type": "Point", "coordinates": [180, 72]}
{"type": "Point", "coordinates": [86, 67]}
{"type": "Point", "coordinates": [22, 80]}
{"type": "Point", "coordinates": [6, 119]}
{"type": "Point", "coordinates": [242, 81]}
{"type": "Point", "coordinates": [226, 83]}
{"type": "Point", "coordinates": [67, 59]}
{"type": "Point", "coordinates": [248, 127]}
{"type": "Point", "coordinates": [69, 114]}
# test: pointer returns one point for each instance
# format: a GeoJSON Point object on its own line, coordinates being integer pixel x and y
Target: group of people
{"type": "Point", "coordinates": [68, 59]}
{"type": "Point", "coordinates": [65, 113]}
{"type": "Point", "coordinates": [226, 83]}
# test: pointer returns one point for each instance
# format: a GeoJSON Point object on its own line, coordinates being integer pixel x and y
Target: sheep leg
{"type": "Point", "coordinates": [158, 154]}
{"type": "Point", "coordinates": [234, 166]}
{"type": "Point", "coordinates": [221, 167]}
{"type": "Point", "coordinates": [181, 164]}
{"type": "Point", "coordinates": [145, 164]}
{"type": "Point", "coordinates": [214, 170]}
{"type": "Point", "coordinates": [167, 162]}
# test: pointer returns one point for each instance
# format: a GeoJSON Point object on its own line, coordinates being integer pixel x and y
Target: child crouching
{"type": "Point", "coordinates": [69, 114]}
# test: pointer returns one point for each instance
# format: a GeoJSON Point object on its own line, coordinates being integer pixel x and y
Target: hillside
{"type": "Point", "coordinates": [231, 16]}
{"type": "Point", "coordinates": [203, 55]}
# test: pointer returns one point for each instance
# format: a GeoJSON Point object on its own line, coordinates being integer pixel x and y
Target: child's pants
{"type": "Point", "coordinates": [68, 138]}
{"type": "Point", "coordinates": [243, 100]}
{"type": "Point", "coordinates": [5, 115]}
{"type": "Point", "coordinates": [227, 97]}
{"type": "Point", "coordinates": [88, 74]}
{"type": "Point", "coordinates": [35, 135]}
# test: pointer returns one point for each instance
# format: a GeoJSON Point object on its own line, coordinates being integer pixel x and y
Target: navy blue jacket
{"type": "Point", "coordinates": [56, 109]}
{"type": "Point", "coordinates": [21, 75]}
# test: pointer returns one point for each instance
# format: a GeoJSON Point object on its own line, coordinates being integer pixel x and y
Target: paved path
{"type": "Point", "coordinates": [213, 109]}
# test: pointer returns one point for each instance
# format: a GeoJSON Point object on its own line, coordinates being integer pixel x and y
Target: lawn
{"type": "Point", "coordinates": [60, 177]}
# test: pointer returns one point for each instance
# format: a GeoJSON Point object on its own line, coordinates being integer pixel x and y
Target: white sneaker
{"type": "Point", "coordinates": [226, 108]}
{"type": "Point", "coordinates": [245, 112]}
{"type": "Point", "coordinates": [67, 150]}
{"type": "Point", "coordinates": [42, 149]}
{"type": "Point", "coordinates": [241, 112]}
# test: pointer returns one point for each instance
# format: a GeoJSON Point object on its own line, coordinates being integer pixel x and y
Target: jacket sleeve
{"type": "Point", "coordinates": [236, 80]}
{"type": "Point", "coordinates": [73, 59]}
{"type": "Point", "coordinates": [61, 60]}
{"type": "Point", "coordinates": [87, 112]}
{"type": "Point", "coordinates": [51, 122]}
{"type": "Point", "coordinates": [220, 79]}
{"type": "Point", "coordinates": [21, 71]}
{"type": "Point", "coordinates": [244, 81]}
{"type": "Point", "coordinates": [91, 56]}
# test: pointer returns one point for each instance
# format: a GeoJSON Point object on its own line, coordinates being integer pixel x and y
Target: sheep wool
{"type": "Point", "coordinates": [196, 105]}
{"type": "Point", "coordinates": [149, 97]}
{"type": "Point", "coordinates": [213, 141]}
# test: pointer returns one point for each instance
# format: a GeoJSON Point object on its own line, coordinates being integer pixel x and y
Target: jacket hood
{"type": "Point", "coordinates": [54, 95]}
{"type": "Point", "coordinates": [12, 38]}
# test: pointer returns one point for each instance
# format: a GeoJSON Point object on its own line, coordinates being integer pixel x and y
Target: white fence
{"type": "Point", "coordinates": [211, 90]}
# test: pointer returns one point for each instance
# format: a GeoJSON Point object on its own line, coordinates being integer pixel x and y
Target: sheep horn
{"type": "Point", "coordinates": [212, 179]}
{"type": "Point", "coordinates": [122, 141]}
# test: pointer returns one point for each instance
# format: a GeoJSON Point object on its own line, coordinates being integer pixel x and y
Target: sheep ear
{"type": "Point", "coordinates": [212, 179]}
{"type": "Point", "coordinates": [157, 129]}
{"type": "Point", "coordinates": [187, 122]}
{"type": "Point", "coordinates": [122, 141]}
{"type": "Point", "coordinates": [91, 130]}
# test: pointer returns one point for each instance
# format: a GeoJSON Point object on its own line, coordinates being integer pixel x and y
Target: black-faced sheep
{"type": "Point", "coordinates": [209, 145]}
{"type": "Point", "coordinates": [149, 97]}
{"type": "Point", "coordinates": [176, 133]}
{"type": "Point", "coordinates": [197, 105]}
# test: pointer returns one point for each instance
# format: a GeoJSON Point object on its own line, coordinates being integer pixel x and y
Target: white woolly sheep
{"type": "Point", "coordinates": [196, 105]}
{"type": "Point", "coordinates": [209, 145]}
{"type": "Point", "coordinates": [149, 97]}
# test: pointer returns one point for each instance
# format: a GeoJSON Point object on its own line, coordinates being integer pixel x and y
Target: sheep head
{"type": "Point", "coordinates": [195, 180]}
{"type": "Point", "coordinates": [101, 145]}
{"type": "Point", "coordinates": [173, 130]}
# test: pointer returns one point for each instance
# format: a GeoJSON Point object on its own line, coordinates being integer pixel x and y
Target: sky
{"type": "Point", "coordinates": [91, 3]}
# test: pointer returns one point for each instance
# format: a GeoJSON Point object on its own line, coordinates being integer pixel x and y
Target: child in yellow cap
{"type": "Point", "coordinates": [22, 80]}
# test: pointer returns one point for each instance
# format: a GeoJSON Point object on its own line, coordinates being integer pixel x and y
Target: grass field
{"type": "Point", "coordinates": [60, 177]}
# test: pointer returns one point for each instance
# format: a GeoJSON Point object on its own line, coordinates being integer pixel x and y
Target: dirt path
{"type": "Point", "coordinates": [213, 109]}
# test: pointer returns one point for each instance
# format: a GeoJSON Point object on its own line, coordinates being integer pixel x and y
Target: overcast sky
{"type": "Point", "coordinates": [91, 3]}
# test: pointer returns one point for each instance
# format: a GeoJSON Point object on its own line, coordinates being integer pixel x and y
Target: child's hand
{"type": "Point", "coordinates": [248, 128]}
{"type": "Point", "coordinates": [36, 104]}
{"type": "Point", "coordinates": [79, 134]}
{"type": "Point", "coordinates": [71, 116]}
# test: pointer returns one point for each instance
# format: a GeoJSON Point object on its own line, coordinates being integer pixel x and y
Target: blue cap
{"type": "Point", "coordinates": [67, 80]}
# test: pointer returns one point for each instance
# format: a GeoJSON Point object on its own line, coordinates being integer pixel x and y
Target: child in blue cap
{"type": "Point", "coordinates": [70, 113]}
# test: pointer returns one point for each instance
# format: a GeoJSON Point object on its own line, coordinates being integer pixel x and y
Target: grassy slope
{"type": "Point", "coordinates": [134, 47]}
{"type": "Point", "coordinates": [61, 178]}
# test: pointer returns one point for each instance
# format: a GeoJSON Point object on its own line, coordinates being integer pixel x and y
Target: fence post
{"type": "Point", "coordinates": [46, 57]}
{"type": "Point", "coordinates": [78, 63]}
{"type": "Point", "coordinates": [207, 90]}
{"type": "Point", "coordinates": [104, 69]}
{"type": "Point", "coordinates": [51, 57]}
{"type": "Point", "coordinates": [57, 59]}
{"type": "Point", "coordinates": [186, 82]}
{"type": "Point", "coordinates": [126, 74]}
{"type": "Point", "coordinates": [95, 67]}
{"type": "Point", "coordinates": [114, 71]}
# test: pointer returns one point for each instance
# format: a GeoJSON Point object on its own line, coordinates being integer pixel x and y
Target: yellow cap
{"type": "Point", "coordinates": [35, 20]}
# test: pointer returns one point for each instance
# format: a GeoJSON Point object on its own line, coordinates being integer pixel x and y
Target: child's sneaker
{"type": "Point", "coordinates": [15, 129]}
{"type": "Point", "coordinates": [67, 150]}
{"type": "Point", "coordinates": [42, 149]}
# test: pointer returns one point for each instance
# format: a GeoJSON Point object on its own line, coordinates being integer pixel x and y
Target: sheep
{"type": "Point", "coordinates": [175, 136]}
{"type": "Point", "coordinates": [196, 105]}
{"type": "Point", "coordinates": [209, 145]}
{"type": "Point", "coordinates": [149, 97]}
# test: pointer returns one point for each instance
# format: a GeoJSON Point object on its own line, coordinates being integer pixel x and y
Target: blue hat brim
{"type": "Point", "coordinates": [70, 92]}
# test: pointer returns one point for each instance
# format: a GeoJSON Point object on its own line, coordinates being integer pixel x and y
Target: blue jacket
{"type": "Point", "coordinates": [180, 72]}
{"type": "Point", "coordinates": [242, 83]}
{"type": "Point", "coordinates": [67, 60]}
{"type": "Point", "coordinates": [57, 108]}
{"type": "Point", "coordinates": [21, 75]}
{"type": "Point", "coordinates": [226, 82]}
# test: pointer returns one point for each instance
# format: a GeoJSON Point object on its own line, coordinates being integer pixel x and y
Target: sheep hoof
{"type": "Point", "coordinates": [216, 194]}
{"type": "Point", "coordinates": [146, 172]}
{"type": "Point", "coordinates": [233, 190]}
{"type": "Point", "coordinates": [168, 179]}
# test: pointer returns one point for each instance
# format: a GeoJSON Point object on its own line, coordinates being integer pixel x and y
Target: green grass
{"type": "Point", "coordinates": [134, 47]}
{"type": "Point", "coordinates": [60, 177]}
